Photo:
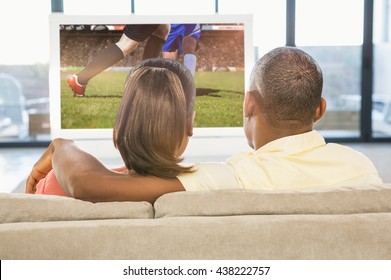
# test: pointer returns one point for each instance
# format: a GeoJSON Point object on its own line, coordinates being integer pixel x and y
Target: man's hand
{"type": "Point", "coordinates": [41, 168]}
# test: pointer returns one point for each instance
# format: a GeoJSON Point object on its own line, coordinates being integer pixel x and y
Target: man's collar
{"type": "Point", "coordinates": [294, 144]}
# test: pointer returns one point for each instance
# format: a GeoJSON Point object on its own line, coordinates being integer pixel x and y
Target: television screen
{"type": "Point", "coordinates": [224, 56]}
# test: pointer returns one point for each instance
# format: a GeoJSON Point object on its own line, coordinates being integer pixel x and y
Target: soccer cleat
{"type": "Point", "coordinates": [78, 89]}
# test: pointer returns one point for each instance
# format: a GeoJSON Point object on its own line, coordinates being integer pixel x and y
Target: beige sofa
{"type": "Point", "coordinates": [343, 223]}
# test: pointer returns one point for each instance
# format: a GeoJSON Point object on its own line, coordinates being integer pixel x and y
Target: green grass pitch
{"type": "Point", "coordinates": [219, 101]}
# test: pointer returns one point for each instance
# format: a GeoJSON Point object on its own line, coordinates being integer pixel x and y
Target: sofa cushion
{"type": "Point", "coordinates": [344, 200]}
{"type": "Point", "coordinates": [18, 207]}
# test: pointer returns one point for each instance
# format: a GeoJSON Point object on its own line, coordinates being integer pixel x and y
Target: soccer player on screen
{"type": "Point", "coordinates": [128, 43]}
{"type": "Point", "coordinates": [183, 38]}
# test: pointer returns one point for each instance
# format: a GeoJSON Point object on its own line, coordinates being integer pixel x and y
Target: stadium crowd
{"type": "Point", "coordinates": [216, 50]}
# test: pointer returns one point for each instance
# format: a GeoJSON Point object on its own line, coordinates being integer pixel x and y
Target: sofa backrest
{"type": "Point", "coordinates": [344, 200]}
{"type": "Point", "coordinates": [18, 207]}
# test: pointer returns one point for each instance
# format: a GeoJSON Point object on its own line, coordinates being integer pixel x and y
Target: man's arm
{"type": "Point", "coordinates": [84, 177]}
{"type": "Point", "coordinates": [41, 168]}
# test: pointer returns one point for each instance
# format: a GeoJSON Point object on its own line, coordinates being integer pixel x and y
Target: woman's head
{"type": "Point", "coordinates": [155, 117]}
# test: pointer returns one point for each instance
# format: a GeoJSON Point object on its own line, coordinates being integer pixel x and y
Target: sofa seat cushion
{"type": "Point", "coordinates": [263, 237]}
{"type": "Point", "coordinates": [18, 207]}
{"type": "Point", "coordinates": [344, 200]}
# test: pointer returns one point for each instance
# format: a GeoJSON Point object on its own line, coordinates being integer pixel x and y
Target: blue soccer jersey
{"type": "Point", "coordinates": [177, 32]}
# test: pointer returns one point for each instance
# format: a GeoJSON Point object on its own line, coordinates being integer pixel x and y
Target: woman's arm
{"type": "Point", "coordinates": [84, 177]}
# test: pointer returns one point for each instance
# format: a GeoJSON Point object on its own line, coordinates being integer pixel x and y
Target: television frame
{"type": "Point", "coordinates": [57, 19]}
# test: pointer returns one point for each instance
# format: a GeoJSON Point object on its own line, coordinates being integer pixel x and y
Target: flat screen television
{"type": "Point", "coordinates": [225, 56]}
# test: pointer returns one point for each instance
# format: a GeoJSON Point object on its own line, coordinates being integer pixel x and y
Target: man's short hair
{"type": "Point", "coordinates": [289, 85]}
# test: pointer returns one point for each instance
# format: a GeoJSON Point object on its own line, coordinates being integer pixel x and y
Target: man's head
{"type": "Point", "coordinates": [286, 86]}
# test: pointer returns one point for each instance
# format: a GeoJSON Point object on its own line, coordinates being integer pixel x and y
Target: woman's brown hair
{"type": "Point", "coordinates": [152, 120]}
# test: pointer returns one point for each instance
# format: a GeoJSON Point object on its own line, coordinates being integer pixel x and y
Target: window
{"type": "Point", "coordinates": [268, 21]}
{"type": "Point", "coordinates": [331, 32]}
{"type": "Point", "coordinates": [381, 98]}
{"type": "Point", "coordinates": [93, 7]}
{"type": "Point", "coordinates": [24, 57]}
{"type": "Point", "coordinates": [174, 7]}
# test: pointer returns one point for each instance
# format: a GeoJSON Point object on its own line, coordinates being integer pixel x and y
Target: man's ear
{"type": "Point", "coordinates": [190, 124]}
{"type": "Point", "coordinates": [320, 110]}
{"type": "Point", "coordinates": [249, 103]}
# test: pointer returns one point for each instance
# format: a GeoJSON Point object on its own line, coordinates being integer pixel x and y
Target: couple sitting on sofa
{"type": "Point", "coordinates": [155, 121]}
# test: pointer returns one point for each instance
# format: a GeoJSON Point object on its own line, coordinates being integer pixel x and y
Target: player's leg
{"type": "Point", "coordinates": [189, 45]}
{"type": "Point", "coordinates": [154, 44]}
{"type": "Point", "coordinates": [126, 45]}
{"type": "Point", "coordinates": [191, 36]}
{"type": "Point", "coordinates": [111, 55]}
{"type": "Point", "coordinates": [170, 55]}
{"type": "Point", "coordinates": [129, 41]}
